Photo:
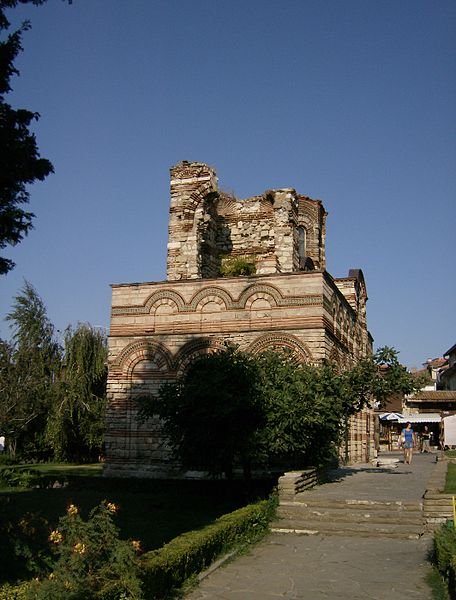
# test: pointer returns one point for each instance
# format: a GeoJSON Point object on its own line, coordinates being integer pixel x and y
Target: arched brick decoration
{"type": "Point", "coordinates": [264, 296]}
{"type": "Point", "coordinates": [169, 297]}
{"type": "Point", "coordinates": [195, 348]}
{"type": "Point", "coordinates": [211, 294]}
{"type": "Point", "coordinates": [197, 197]}
{"type": "Point", "coordinates": [256, 291]}
{"type": "Point", "coordinates": [144, 350]}
{"type": "Point", "coordinates": [227, 205]}
{"type": "Point", "coordinates": [278, 341]}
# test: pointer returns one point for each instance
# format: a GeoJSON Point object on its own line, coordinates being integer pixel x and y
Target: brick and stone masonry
{"type": "Point", "coordinates": [287, 300]}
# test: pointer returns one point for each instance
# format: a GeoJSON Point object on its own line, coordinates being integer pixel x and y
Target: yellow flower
{"type": "Point", "coordinates": [111, 507]}
{"type": "Point", "coordinates": [79, 548]}
{"type": "Point", "coordinates": [55, 537]}
{"type": "Point", "coordinates": [72, 510]}
{"type": "Point", "coordinates": [136, 545]}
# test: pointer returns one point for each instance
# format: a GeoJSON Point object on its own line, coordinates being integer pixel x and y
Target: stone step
{"type": "Point", "coordinates": [390, 505]}
{"type": "Point", "coordinates": [362, 515]}
{"type": "Point", "coordinates": [303, 527]}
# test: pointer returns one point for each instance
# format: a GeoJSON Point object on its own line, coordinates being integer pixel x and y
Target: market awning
{"type": "Point", "coordinates": [423, 418]}
{"type": "Point", "coordinates": [391, 416]}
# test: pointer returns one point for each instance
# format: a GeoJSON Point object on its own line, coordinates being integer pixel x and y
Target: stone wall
{"type": "Point", "coordinates": [279, 230]}
{"type": "Point", "coordinates": [290, 301]}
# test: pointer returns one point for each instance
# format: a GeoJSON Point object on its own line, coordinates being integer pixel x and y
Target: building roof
{"type": "Point", "coordinates": [433, 396]}
{"type": "Point", "coordinates": [435, 363]}
{"type": "Point", "coordinates": [452, 349]}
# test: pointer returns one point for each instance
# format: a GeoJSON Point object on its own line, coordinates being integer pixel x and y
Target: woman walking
{"type": "Point", "coordinates": [408, 442]}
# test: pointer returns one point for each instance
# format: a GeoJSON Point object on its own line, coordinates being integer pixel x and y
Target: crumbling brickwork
{"type": "Point", "coordinates": [278, 230]}
{"type": "Point", "coordinates": [287, 299]}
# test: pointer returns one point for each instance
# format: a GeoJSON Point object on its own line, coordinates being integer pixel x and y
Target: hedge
{"type": "Point", "coordinates": [166, 569]}
{"type": "Point", "coordinates": [445, 555]}
{"type": "Point", "coordinates": [163, 571]}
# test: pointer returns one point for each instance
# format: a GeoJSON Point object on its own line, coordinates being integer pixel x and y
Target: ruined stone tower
{"type": "Point", "coordinates": [251, 272]}
{"type": "Point", "coordinates": [278, 230]}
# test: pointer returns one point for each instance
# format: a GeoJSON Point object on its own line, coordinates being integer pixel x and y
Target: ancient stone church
{"type": "Point", "coordinates": [251, 272]}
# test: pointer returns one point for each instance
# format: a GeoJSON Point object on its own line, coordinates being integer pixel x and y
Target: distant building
{"type": "Point", "coordinates": [437, 395]}
{"type": "Point", "coordinates": [448, 375]}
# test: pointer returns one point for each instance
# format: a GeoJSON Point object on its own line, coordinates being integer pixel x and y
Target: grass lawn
{"type": "Point", "coordinates": [94, 470]}
{"type": "Point", "coordinates": [153, 511]}
{"type": "Point", "coordinates": [450, 484]}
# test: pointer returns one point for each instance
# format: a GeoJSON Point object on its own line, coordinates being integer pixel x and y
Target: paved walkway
{"type": "Point", "coordinates": [331, 567]}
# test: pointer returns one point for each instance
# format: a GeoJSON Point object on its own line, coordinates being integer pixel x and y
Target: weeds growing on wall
{"type": "Point", "coordinates": [237, 266]}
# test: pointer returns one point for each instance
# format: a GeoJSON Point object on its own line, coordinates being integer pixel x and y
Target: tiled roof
{"type": "Point", "coordinates": [436, 362]}
{"type": "Point", "coordinates": [434, 396]}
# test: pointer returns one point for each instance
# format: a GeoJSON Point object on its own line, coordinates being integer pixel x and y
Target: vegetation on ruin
{"type": "Point", "coordinates": [235, 266]}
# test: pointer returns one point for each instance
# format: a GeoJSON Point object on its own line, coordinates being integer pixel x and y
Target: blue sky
{"type": "Point", "coordinates": [351, 102]}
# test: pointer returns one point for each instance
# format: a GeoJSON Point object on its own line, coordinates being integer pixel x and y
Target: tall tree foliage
{"type": "Point", "coordinates": [232, 408]}
{"type": "Point", "coordinates": [75, 427]}
{"type": "Point", "coordinates": [29, 367]}
{"type": "Point", "coordinates": [212, 413]}
{"type": "Point", "coordinates": [20, 162]}
{"type": "Point", "coordinates": [303, 407]}
{"type": "Point", "coordinates": [52, 400]}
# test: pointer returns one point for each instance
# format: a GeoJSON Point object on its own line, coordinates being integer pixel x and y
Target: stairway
{"type": "Point", "coordinates": [362, 518]}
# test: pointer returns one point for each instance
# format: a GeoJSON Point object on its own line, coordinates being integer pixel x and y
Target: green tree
{"type": "Point", "coordinates": [303, 410]}
{"type": "Point", "coordinates": [212, 413]}
{"type": "Point", "coordinates": [76, 424]}
{"type": "Point", "coordinates": [29, 366]}
{"type": "Point", "coordinates": [231, 407]}
{"type": "Point", "coordinates": [20, 162]}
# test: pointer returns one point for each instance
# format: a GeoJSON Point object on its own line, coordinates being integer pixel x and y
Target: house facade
{"type": "Point", "coordinates": [249, 272]}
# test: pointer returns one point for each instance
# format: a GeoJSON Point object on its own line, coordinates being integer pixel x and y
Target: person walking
{"type": "Point", "coordinates": [426, 440]}
{"type": "Point", "coordinates": [408, 440]}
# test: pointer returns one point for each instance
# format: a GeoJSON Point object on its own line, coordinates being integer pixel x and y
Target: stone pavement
{"type": "Point", "coordinates": [318, 567]}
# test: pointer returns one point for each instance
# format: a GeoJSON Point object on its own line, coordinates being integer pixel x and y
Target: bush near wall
{"type": "Point", "coordinates": [445, 555]}
{"type": "Point", "coordinates": [166, 569]}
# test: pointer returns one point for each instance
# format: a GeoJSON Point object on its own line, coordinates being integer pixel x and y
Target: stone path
{"type": "Point", "coordinates": [321, 567]}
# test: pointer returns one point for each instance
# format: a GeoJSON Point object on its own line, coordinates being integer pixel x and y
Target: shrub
{"type": "Point", "coordinates": [237, 266]}
{"type": "Point", "coordinates": [92, 562]}
{"type": "Point", "coordinates": [167, 569]}
{"type": "Point", "coordinates": [22, 478]}
{"type": "Point", "coordinates": [445, 554]}
{"type": "Point", "coordinates": [14, 592]}
{"type": "Point", "coordinates": [6, 459]}
{"type": "Point", "coordinates": [23, 546]}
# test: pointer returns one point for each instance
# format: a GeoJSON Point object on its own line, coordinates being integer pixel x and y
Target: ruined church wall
{"type": "Point", "coordinates": [157, 328]}
{"type": "Point", "coordinates": [290, 301]}
{"type": "Point", "coordinates": [206, 226]}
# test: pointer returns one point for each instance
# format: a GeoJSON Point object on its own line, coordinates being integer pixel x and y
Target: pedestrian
{"type": "Point", "coordinates": [408, 440]}
{"type": "Point", "coordinates": [426, 439]}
